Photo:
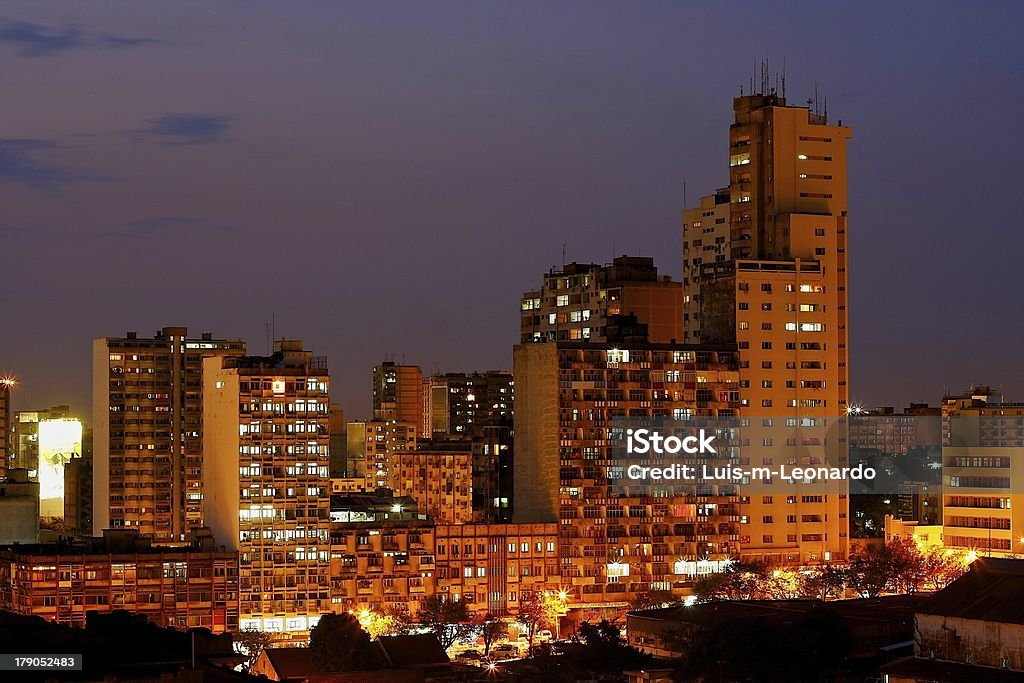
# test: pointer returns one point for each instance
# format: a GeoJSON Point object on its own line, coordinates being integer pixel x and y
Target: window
{"type": "Point", "coordinates": [819, 232]}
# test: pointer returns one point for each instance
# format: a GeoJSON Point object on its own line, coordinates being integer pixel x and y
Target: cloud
{"type": "Point", "coordinates": [22, 162]}
{"type": "Point", "coordinates": [36, 40]}
{"type": "Point", "coordinates": [121, 42]}
{"type": "Point", "coordinates": [187, 129]}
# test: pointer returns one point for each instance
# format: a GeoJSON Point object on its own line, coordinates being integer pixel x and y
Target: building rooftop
{"type": "Point", "coordinates": [990, 591]}
{"type": "Point", "coordinates": [421, 649]}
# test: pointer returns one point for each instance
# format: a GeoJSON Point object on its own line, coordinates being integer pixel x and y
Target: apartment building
{"type": "Point", "coordinates": [781, 297]}
{"type": "Point", "coordinates": [181, 587]}
{"type": "Point", "coordinates": [397, 393]}
{"type": "Point", "coordinates": [439, 478]}
{"type": "Point", "coordinates": [147, 421]}
{"type": "Point", "coordinates": [267, 438]}
{"type": "Point", "coordinates": [706, 240]}
{"type": "Point", "coordinates": [461, 403]}
{"type": "Point", "coordinates": [372, 445]}
{"type": "Point", "coordinates": [574, 304]}
{"type": "Point", "coordinates": [616, 541]}
{"type": "Point", "coordinates": [7, 383]}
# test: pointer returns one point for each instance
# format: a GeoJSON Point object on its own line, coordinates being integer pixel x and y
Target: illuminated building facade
{"type": "Point", "coordinates": [147, 422]}
{"type": "Point", "coordinates": [180, 587]}
{"type": "Point", "coordinates": [439, 479]}
{"type": "Point", "coordinates": [494, 567]}
{"type": "Point", "coordinates": [267, 438]}
{"type": "Point", "coordinates": [574, 304]}
{"type": "Point", "coordinates": [617, 543]}
{"type": "Point", "coordinates": [781, 297]}
{"type": "Point", "coordinates": [372, 445]}
{"type": "Point", "coordinates": [706, 239]}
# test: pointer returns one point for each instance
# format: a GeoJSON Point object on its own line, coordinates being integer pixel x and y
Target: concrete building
{"type": "Point", "coordinates": [180, 587]}
{"type": "Point", "coordinates": [460, 403]}
{"type": "Point", "coordinates": [574, 303]}
{"type": "Point", "coordinates": [617, 543]}
{"type": "Point", "coordinates": [781, 297]}
{"type": "Point", "coordinates": [706, 239]}
{"type": "Point", "coordinates": [439, 477]}
{"type": "Point", "coordinates": [268, 487]}
{"type": "Point", "coordinates": [372, 445]}
{"type": "Point", "coordinates": [494, 567]}
{"type": "Point", "coordinates": [398, 393]}
{"type": "Point", "coordinates": [969, 631]}
{"type": "Point", "coordinates": [19, 508]}
{"type": "Point", "coordinates": [147, 423]}
{"type": "Point", "coordinates": [982, 499]}
{"type": "Point", "coordinates": [78, 496]}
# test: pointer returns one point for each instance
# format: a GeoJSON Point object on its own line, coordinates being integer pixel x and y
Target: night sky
{"type": "Point", "coordinates": [388, 180]}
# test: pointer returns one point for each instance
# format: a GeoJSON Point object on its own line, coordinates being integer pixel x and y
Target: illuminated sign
{"type": "Point", "coordinates": [59, 440]}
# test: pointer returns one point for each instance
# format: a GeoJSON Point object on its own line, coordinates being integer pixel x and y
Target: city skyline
{"type": "Point", "coordinates": [159, 190]}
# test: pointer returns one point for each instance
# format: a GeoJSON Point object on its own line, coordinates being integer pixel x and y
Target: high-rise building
{"type": "Point", "coordinates": [575, 303]}
{"type": "Point", "coordinates": [706, 239]}
{"type": "Point", "coordinates": [617, 541]}
{"type": "Point", "coordinates": [439, 477]}
{"type": "Point", "coordinates": [266, 440]}
{"type": "Point", "coordinates": [398, 393]}
{"type": "Point", "coordinates": [460, 403]}
{"type": "Point", "coordinates": [780, 296]}
{"type": "Point", "coordinates": [372, 445]}
{"type": "Point", "coordinates": [147, 422]}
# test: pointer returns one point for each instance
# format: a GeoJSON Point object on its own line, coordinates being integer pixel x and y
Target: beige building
{"type": "Point", "coordinates": [575, 303]}
{"type": "Point", "coordinates": [494, 567]}
{"type": "Point", "coordinates": [440, 480]}
{"type": "Point", "coordinates": [618, 542]}
{"type": "Point", "coordinates": [147, 427]}
{"type": "Point", "coordinates": [372, 445]}
{"type": "Point", "coordinates": [982, 500]}
{"type": "Point", "coordinates": [6, 384]}
{"type": "Point", "coordinates": [781, 298]}
{"type": "Point", "coordinates": [268, 482]}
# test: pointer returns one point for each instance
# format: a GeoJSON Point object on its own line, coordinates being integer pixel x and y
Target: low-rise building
{"type": "Point", "coordinates": [180, 587]}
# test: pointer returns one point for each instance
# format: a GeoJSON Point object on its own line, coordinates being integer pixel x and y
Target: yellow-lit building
{"type": "Point", "coordinates": [574, 304]}
{"type": "Point", "coordinates": [781, 297]}
{"type": "Point", "coordinates": [180, 587]}
{"type": "Point", "coordinates": [616, 542]}
{"type": "Point", "coordinates": [372, 445]}
{"type": "Point", "coordinates": [268, 482]}
{"type": "Point", "coordinates": [440, 481]}
{"type": "Point", "coordinates": [147, 431]}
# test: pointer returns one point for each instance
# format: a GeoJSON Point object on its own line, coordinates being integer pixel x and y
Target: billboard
{"type": "Point", "coordinates": [59, 440]}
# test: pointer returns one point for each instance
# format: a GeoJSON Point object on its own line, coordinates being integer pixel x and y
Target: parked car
{"type": "Point", "coordinates": [469, 657]}
{"type": "Point", "coordinates": [504, 651]}
{"type": "Point", "coordinates": [543, 635]}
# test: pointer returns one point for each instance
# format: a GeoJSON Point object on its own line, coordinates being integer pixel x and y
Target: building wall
{"type": "Point", "coordinates": [19, 508]}
{"type": "Point", "coordinates": [983, 643]}
{"type": "Point", "coordinates": [441, 483]}
{"type": "Point", "coordinates": [277, 409]}
{"type": "Point", "coordinates": [982, 503]}
{"type": "Point", "coordinates": [617, 544]}
{"type": "Point", "coordinates": [178, 589]}
{"type": "Point", "coordinates": [147, 396]}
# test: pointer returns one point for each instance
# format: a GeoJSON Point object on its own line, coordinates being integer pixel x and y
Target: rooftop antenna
{"type": "Point", "coordinates": [684, 189]}
{"type": "Point", "coordinates": [783, 77]}
{"type": "Point", "coordinates": [563, 253]}
{"type": "Point", "coordinates": [753, 70]}
{"type": "Point", "coordinates": [267, 329]}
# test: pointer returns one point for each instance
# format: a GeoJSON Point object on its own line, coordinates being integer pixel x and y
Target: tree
{"type": "Point", "coordinates": [491, 628]}
{"type": "Point", "coordinates": [601, 647]}
{"type": "Point", "coordinates": [942, 566]}
{"type": "Point", "coordinates": [648, 599]}
{"type": "Point", "coordinates": [339, 643]}
{"type": "Point", "coordinates": [251, 642]}
{"type": "Point", "coordinates": [391, 620]}
{"type": "Point", "coordinates": [448, 619]}
{"type": "Point", "coordinates": [539, 610]}
{"type": "Point", "coordinates": [824, 581]}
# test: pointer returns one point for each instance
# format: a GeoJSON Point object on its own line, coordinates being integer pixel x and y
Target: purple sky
{"type": "Point", "coordinates": [388, 180]}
